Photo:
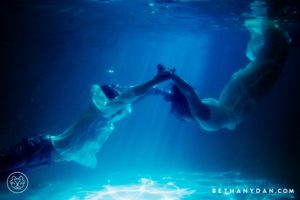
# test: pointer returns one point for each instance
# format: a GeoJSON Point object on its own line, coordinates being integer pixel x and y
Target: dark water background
{"type": "Point", "coordinates": [52, 52]}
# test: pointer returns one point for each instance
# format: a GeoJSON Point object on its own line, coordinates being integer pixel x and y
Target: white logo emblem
{"type": "Point", "coordinates": [17, 182]}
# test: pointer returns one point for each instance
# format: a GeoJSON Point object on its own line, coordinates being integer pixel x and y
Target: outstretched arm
{"type": "Point", "coordinates": [130, 95]}
{"type": "Point", "coordinates": [141, 89]}
{"type": "Point", "coordinates": [186, 89]}
{"type": "Point", "coordinates": [154, 91]}
{"type": "Point", "coordinates": [198, 110]}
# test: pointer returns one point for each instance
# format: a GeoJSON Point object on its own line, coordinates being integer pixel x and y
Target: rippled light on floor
{"type": "Point", "coordinates": [179, 186]}
{"type": "Point", "coordinates": [147, 189]}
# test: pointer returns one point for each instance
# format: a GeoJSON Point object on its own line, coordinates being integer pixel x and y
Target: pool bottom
{"type": "Point", "coordinates": [180, 186]}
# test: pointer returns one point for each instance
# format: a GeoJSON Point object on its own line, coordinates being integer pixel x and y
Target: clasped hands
{"type": "Point", "coordinates": [165, 72]}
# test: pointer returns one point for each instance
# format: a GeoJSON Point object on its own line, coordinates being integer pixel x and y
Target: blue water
{"type": "Point", "coordinates": [54, 52]}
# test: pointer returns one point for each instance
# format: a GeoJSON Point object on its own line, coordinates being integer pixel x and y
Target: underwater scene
{"type": "Point", "coordinates": [149, 99]}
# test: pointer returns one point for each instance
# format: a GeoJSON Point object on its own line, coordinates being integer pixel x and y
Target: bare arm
{"type": "Point", "coordinates": [186, 89]}
{"type": "Point", "coordinates": [197, 108]}
{"type": "Point", "coordinates": [130, 95]}
{"type": "Point", "coordinates": [145, 87]}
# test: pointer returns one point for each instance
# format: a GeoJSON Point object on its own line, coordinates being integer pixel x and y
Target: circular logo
{"type": "Point", "coordinates": [17, 182]}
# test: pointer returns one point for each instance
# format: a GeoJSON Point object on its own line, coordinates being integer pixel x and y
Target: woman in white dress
{"type": "Point", "coordinates": [83, 140]}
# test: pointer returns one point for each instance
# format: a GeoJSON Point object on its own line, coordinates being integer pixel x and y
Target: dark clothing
{"type": "Point", "coordinates": [30, 152]}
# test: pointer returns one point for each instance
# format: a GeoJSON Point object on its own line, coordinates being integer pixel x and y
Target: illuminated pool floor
{"type": "Point", "coordinates": [180, 186]}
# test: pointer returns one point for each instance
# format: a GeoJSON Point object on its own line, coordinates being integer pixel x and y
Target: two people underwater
{"type": "Point", "coordinates": [267, 51]}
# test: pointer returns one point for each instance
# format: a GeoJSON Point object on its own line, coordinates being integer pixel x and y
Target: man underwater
{"type": "Point", "coordinates": [267, 50]}
{"type": "Point", "coordinates": [82, 140]}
